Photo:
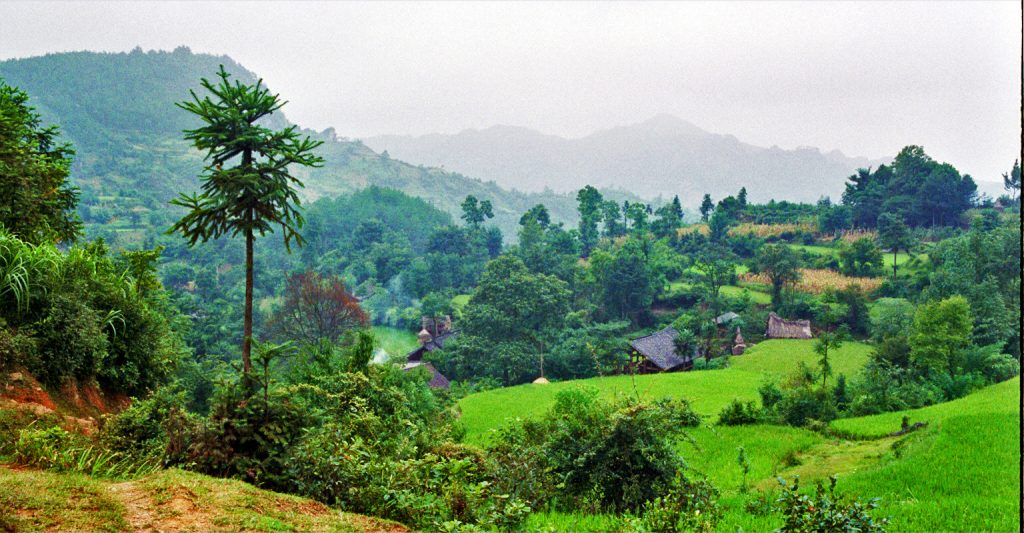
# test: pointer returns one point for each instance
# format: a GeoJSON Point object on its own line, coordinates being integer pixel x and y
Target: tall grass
{"type": "Point", "coordinates": [57, 450]}
{"type": "Point", "coordinates": [22, 267]}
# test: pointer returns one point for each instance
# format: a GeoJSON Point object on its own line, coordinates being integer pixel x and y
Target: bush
{"type": "Point", "coordinates": [739, 413]}
{"type": "Point", "coordinates": [140, 429]}
{"type": "Point", "coordinates": [72, 342]}
{"type": "Point", "coordinates": [611, 456]}
{"type": "Point", "coordinates": [247, 435]}
{"type": "Point", "coordinates": [825, 510]}
{"type": "Point", "coordinates": [686, 506]}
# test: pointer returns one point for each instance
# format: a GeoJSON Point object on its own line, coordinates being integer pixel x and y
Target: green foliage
{"type": "Point", "coordinates": [780, 263]}
{"type": "Point", "coordinates": [140, 430]}
{"type": "Point", "coordinates": [56, 449]}
{"type": "Point", "coordinates": [941, 335]}
{"type": "Point", "coordinates": [475, 212]}
{"type": "Point", "coordinates": [739, 413]}
{"type": "Point", "coordinates": [84, 315]}
{"type": "Point", "coordinates": [506, 325]}
{"type": "Point", "coordinates": [38, 203]}
{"type": "Point", "coordinates": [914, 188]}
{"type": "Point", "coordinates": [593, 448]}
{"type": "Point", "coordinates": [687, 505]}
{"type": "Point", "coordinates": [891, 317]}
{"type": "Point", "coordinates": [862, 258]}
{"type": "Point", "coordinates": [825, 510]}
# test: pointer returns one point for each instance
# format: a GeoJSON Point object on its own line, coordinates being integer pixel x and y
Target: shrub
{"type": "Point", "coordinates": [72, 342]}
{"type": "Point", "coordinates": [739, 413]}
{"type": "Point", "coordinates": [688, 505]}
{"type": "Point", "coordinates": [141, 428]}
{"type": "Point", "coordinates": [613, 456]}
{"type": "Point", "coordinates": [247, 435]}
{"type": "Point", "coordinates": [825, 510]}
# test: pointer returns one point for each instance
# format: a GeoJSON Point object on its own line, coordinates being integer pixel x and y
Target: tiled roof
{"type": "Point", "coordinates": [660, 349]}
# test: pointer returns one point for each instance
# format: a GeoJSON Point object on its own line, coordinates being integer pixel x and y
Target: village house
{"type": "Point", "coordinates": [657, 353]}
{"type": "Point", "coordinates": [435, 333]}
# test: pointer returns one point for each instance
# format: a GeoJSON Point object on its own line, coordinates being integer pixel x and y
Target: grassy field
{"type": "Point", "coordinates": [707, 390]}
{"type": "Point", "coordinates": [822, 250]}
{"type": "Point", "coordinates": [962, 472]}
{"type": "Point", "coordinates": [394, 342]}
{"type": "Point", "coordinates": [733, 291]}
{"type": "Point", "coordinates": [170, 500]}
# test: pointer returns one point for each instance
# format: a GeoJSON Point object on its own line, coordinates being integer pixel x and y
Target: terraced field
{"type": "Point", "coordinates": [961, 472]}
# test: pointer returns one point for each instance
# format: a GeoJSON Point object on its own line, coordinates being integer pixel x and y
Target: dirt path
{"type": "Point", "coordinates": [179, 511]}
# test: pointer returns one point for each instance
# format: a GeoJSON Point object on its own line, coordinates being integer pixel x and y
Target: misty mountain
{"type": "Point", "coordinates": [662, 156]}
{"type": "Point", "coordinates": [118, 111]}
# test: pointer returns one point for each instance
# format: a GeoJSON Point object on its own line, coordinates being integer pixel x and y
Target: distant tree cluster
{"type": "Point", "coordinates": [915, 188]}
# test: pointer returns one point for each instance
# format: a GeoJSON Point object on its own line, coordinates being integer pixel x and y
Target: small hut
{"type": "Point", "coordinates": [781, 328]}
{"type": "Point", "coordinates": [437, 379]}
{"type": "Point", "coordinates": [657, 353]}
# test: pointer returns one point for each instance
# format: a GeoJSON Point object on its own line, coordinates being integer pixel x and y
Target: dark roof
{"type": "Point", "coordinates": [660, 349]}
{"type": "Point", "coordinates": [780, 328]}
{"type": "Point", "coordinates": [437, 379]}
{"type": "Point", "coordinates": [436, 343]}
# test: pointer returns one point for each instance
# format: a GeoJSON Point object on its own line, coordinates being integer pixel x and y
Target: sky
{"type": "Point", "coordinates": [866, 78]}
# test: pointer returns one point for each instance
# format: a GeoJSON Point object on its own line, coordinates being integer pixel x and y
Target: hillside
{"type": "Point", "coordinates": [961, 472]}
{"type": "Point", "coordinates": [118, 111]}
{"type": "Point", "coordinates": [661, 156]}
{"type": "Point", "coordinates": [169, 500]}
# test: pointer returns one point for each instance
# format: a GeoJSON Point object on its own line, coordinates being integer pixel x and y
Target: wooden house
{"type": "Point", "coordinates": [435, 333]}
{"type": "Point", "coordinates": [657, 353]}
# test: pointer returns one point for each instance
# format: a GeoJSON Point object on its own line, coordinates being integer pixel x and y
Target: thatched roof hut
{"type": "Point", "coordinates": [780, 328]}
{"type": "Point", "coordinates": [437, 379]}
{"type": "Point", "coordinates": [657, 353]}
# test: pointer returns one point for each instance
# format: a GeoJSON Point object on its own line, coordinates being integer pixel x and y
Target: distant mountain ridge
{"type": "Point", "coordinates": [118, 110]}
{"type": "Point", "coordinates": [662, 156]}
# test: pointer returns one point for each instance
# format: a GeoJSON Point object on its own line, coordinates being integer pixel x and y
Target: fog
{"type": "Point", "coordinates": [864, 78]}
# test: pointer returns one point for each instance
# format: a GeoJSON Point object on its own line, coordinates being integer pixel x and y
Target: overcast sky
{"type": "Point", "coordinates": [865, 78]}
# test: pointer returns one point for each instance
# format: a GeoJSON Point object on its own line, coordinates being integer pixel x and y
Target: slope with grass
{"type": "Point", "coordinates": [961, 472]}
{"type": "Point", "coordinates": [170, 500]}
{"type": "Point", "coordinates": [708, 391]}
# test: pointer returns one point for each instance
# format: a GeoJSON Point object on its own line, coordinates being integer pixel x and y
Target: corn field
{"type": "Point", "coordinates": [817, 281]}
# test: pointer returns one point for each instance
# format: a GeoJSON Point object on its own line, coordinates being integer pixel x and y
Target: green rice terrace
{"type": "Point", "coordinates": [960, 472]}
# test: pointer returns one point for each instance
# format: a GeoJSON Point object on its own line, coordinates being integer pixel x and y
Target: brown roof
{"type": "Point", "coordinates": [437, 379]}
{"type": "Point", "coordinates": [660, 349]}
{"type": "Point", "coordinates": [780, 328]}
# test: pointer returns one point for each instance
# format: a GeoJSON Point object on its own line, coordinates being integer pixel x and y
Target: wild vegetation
{"type": "Point", "coordinates": [903, 363]}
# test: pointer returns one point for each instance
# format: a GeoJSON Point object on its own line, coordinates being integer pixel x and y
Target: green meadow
{"type": "Point", "coordinates": [961, 472]}
{"type": "Point", "coordinates": [395, 342]}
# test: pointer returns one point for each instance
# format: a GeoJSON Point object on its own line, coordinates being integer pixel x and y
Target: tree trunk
{"type": "Point", "coordinates": [895, 251]}
{"type": "Point", "coordinates": [247, 321]}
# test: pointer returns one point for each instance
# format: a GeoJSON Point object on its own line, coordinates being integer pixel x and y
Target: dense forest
{"type": "Point", "coordinates": [910, 266]}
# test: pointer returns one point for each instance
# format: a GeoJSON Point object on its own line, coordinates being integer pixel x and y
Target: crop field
{"type": "Point", "coordinates": [961, 472]}
{"type": "Point", "coordinates": [817, 281]}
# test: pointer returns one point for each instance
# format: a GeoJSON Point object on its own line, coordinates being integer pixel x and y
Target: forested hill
{"type": "Point", "coordinates": [663, 155]}
{"type": "Point", "coordinates": [118, 111]}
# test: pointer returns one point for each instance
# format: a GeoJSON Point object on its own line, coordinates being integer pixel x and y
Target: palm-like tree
{"type": "Point", "coordinates": [246, 185]}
